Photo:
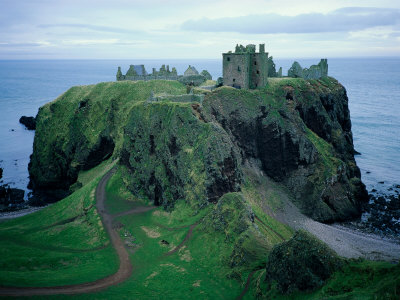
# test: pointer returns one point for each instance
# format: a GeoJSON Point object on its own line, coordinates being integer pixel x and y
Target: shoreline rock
{"type": "Point", "coordinates": [381, 215]}
{"type": "Point", "coordinates": [11, 198]}
{"type": "Point", "coordinates": [28, 122]}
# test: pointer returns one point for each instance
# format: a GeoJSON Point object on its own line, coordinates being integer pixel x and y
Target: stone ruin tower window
{"type": "Point", "coordinates": [228, 58]}
{"type": "Point", "coordinates": [239, 69]}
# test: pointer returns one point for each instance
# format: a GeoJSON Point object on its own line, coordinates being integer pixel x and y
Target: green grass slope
{"type": "Point", "coordinates": [64, 243]}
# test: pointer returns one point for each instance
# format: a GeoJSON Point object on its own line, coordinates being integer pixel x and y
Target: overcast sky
{"type": "Point", "coordinates": [139, 29]}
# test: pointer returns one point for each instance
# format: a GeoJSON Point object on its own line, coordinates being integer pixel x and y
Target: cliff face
{"type": "Point", "coordinates": [170, 154]}
{"type": "Point", "coordinates": [299, 131]}
{"type": "Point", "coordinates": [80, 129]}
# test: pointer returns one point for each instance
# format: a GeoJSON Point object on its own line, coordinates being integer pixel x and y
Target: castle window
{"type": "Point", "coordinates": [255, 63]}
{"type": "Point", "coordinates": [228, 58]}
{"type": "Point", "coordinates": [234, 80]}
{"type": "Point", "coordinates": [239, 69]}
{"type": "Point", "coordinates": [258, 72]}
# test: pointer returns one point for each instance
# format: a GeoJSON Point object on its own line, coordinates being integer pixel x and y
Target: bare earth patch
{"type": "Point", "coordinates": [161, 213]}
{"type": "Point", "coordinates": [196, 283]}
{"type": "Point", "coordinates": [184, 254]}
{"type": "Point", "coordinates": [151, 276]}
{"type": "Point", "coordinates": [179, 269]}
{"type": "Point", "coordinates": [151, 233]}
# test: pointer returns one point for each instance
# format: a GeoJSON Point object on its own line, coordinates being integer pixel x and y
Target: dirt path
{"type": "Point", "coordinates": [125, 266]}
{"type": "Point", "coordinates": [247, 285]}
{"type": "Point", "coordinates": [187, 237]}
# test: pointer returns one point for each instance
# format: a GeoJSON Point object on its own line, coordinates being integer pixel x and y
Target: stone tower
{"type": "Point", "coordinates": [246, 68]}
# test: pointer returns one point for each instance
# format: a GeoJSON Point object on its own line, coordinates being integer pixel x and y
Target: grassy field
{"type": "Point", "coordinates": [201, 268]}
{"type": "Point", "coordinates": [50, 247]}
{"type": "Point", "coordinates": [58, 251]}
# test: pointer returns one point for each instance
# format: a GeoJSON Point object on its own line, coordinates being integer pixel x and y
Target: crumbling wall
{"type": "Point", "coordinates": [314, 72]}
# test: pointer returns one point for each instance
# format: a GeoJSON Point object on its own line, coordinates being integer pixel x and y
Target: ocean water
{"type": "Point", "coordinates": [373, 87]}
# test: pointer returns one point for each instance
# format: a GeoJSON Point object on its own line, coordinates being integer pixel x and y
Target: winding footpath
{"type": "Point", "coordinates": [125, 266]}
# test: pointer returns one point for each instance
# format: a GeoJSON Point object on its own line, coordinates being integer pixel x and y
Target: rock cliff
{"type": "Point", "coordinates": [299, 130]}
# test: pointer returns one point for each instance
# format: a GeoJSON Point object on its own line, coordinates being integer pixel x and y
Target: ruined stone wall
{"type": "Point", "coordinates": [236, 69]}
{"type": "Point", "coordinates": [314, 72]}
{"type": "Point", "coordinates": [259, 70]}
{"type": "Point", "coordinates": [152, 77]}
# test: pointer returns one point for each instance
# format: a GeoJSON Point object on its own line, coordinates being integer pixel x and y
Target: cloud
{"type": "Point", "coordinates": [91, 28]}
{"type": "Point", "coordinates": [23, 45]}
{"type": "Point", "coordinates": [341, 20]}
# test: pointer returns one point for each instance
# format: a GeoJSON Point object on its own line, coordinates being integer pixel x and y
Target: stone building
{"type": "Point", "coordinates": [190, 71]}
{"type": "Point", "coordinates": [138, 72]}
{"type": "Point", "coordinates": [245, 68]}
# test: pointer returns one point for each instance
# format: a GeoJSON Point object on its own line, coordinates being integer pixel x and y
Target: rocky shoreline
{"type": "Point", "coordinates": [381, 215]}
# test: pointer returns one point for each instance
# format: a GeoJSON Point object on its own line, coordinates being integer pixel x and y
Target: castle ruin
{"type": "Point", "coordinates": [246, 68]}
{"type": "Point", "coordinates": [138, 72]}
{"type": "Point", "coordinates": [313, 72]}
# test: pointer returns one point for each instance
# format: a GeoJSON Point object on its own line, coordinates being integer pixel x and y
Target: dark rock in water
{"type": "Point", "coordinates": [42, 197]}
{"type": "Point", "coordinates": [381, 182]}
{"type": "Point", "coordinates": [355, 152]}
{"type": "Point", "coordinates": [383, 214]}
{"type": "Point", "coordinates": [11, 198]}
{"type": "Point", "coordinates": [368, 172]}
{"type": "Point", "coordinates": [1, 173]}
{"type": "Point", "coordinates": [302, 263]}
{"type": "Point", "coordinates": [28, 122]}
{"type": "Point", "coordinates": [373, 190]}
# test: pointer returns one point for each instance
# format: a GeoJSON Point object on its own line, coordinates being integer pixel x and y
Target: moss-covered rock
{"type": "Point", "coordinates": [171, 153]}
{"type": "Point", "coordinates": [81, 128]}
{"type": "Point", "coordinates": [302, 263]}
{"type": "Point", "coordinates": [299, 130]}
{"type": "Point", "coordinates": [234, 218]}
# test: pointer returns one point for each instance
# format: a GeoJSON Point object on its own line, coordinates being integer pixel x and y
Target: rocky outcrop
{"type": "Point", "coordinates": [28, 122]}
{"type": "Point", "coordinates": [300, 264]}
{"type": "Point", "coordinates": [300, 131]}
